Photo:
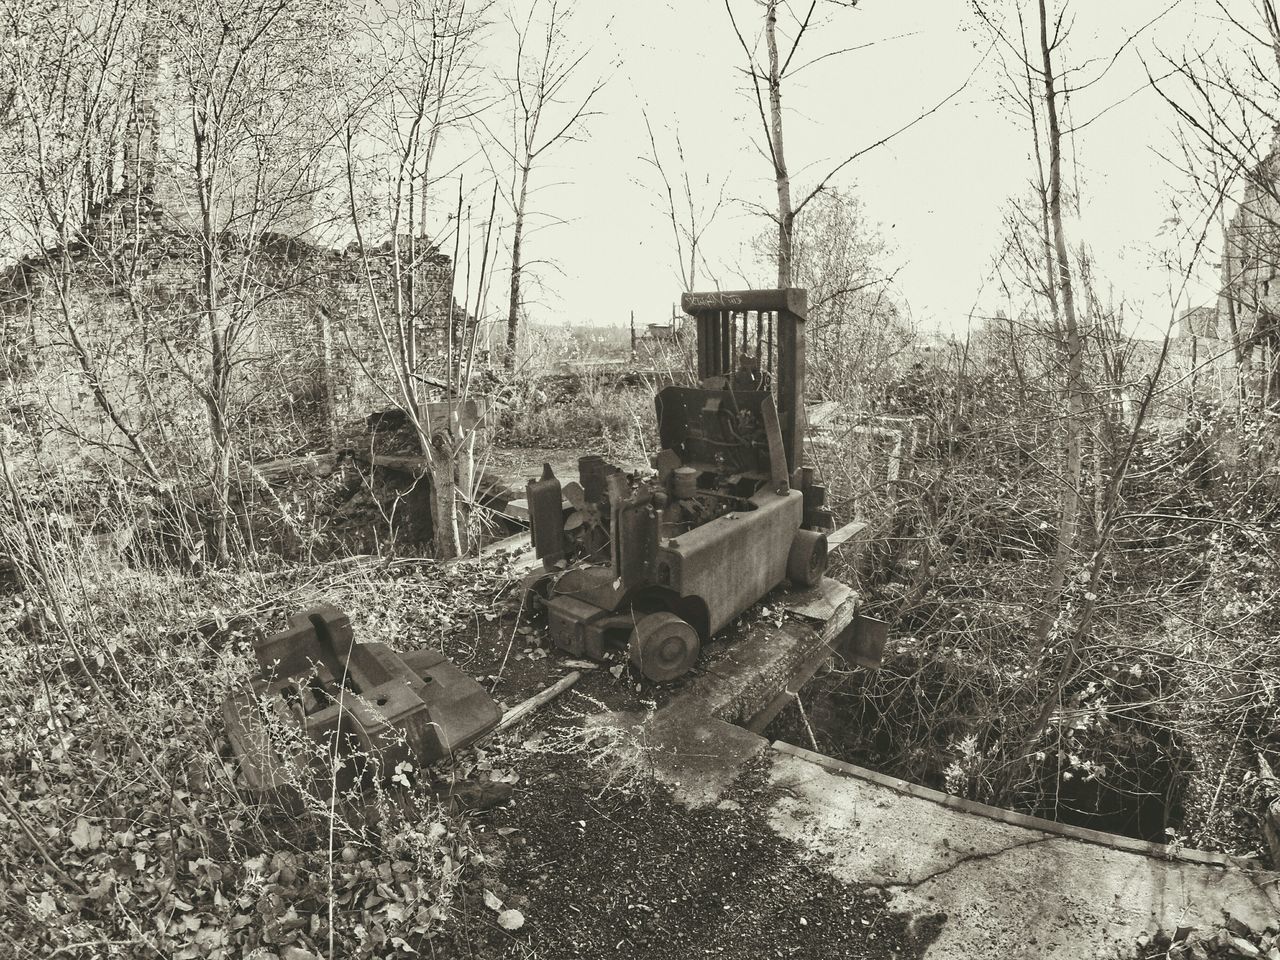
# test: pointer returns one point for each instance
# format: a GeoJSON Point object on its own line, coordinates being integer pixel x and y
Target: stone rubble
{"type": "Point", "coordinates": [1232, 941]}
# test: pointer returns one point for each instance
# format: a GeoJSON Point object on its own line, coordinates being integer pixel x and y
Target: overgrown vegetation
{"type": "Point", "coordinates": [128, 828]}
{"type": "Point", "coordinates": [1074, 534]}
{"type": "Point", "coordinates": [595, 411]}
{"type": "Point", "coordinates": [1149, 717]}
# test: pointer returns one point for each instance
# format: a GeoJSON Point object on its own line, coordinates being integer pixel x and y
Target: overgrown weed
{"type": "Point", "coordinates": [127, 827]}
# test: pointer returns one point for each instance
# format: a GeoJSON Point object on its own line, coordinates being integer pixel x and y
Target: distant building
{"type": "Point", "coordinates": [1248, 312]}
{"type": "Point", "coordinates": [1198, 322]}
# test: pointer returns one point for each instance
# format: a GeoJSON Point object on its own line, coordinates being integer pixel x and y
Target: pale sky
{"type": "Point", "coordinates": [938, 191]}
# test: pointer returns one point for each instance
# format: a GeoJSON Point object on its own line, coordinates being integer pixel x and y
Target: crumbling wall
{"type": "Point", "coordinates": [1249, 303]}
{"type": "Point", "coordinates": [309, 352]}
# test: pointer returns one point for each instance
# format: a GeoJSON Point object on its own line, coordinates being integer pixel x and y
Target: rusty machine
{"type": "Point", "coordinates": [659, 563]}
{"type": "Point", "coordinates": [363, 708]}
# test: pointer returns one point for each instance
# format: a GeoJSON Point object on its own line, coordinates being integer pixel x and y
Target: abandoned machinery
{"type": "Point", "coordinates": [361, 708]}
{"type": "Point", "coordinates": [659, 563]}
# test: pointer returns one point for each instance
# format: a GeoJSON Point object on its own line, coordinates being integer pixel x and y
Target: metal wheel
{"type": "Point", "coordinates": [663, 646]}
{"type": "Point", "coordinates": [807, 561]}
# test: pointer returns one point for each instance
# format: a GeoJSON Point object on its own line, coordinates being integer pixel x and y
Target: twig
{"type": "Point", "coordinates": [522, 710]}
{"type": "Point", "coordinates": [1226, 766]}
{"type": "Point", "coordinates": [510, 642]}
{"type": "Point", "coordinates": [805, 717]}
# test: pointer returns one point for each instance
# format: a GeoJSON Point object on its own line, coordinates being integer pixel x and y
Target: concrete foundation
{"type": "Point", "coordinates": [1007, 888]}
{"type": "Point", "coordinates": [1008, 884]}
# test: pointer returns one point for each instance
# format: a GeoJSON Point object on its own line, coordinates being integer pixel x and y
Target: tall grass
{"type": "Point", "coordinates": [127, 829]}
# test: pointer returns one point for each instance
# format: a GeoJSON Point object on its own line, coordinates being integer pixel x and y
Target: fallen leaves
{"type": "Point", "coordinates": [508, 918]}
{"type": "Point", "coordinates": [85, 836]}
{"type": "Point", "coordinates": [155, 844]}
{"type": "Point", "coordinates": [511, 920]}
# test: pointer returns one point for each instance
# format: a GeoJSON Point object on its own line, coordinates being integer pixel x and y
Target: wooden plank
{"type": "Point", "coordinates": [851, 532]}
{"type": "Point", "coordinates": [817, 603]}
{"type": "Point", "coordinates": [522, 710]}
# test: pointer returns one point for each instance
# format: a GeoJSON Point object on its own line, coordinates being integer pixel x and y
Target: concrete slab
{"type": "Point", "coordinates": [517, 509]}
{"type": "Point", "coordinates": [697, 743]}
{"type": "Point", "coordinates": [817, 603]}
{"type": "Point", "coordinates": [1007, 890]}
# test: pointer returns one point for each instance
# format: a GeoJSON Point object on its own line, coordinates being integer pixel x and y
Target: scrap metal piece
{"type": "Point", "coordinates": [363, 707]}
{"type": "Point", "coordinates": [862, 641]}
{"type": "Point", "coordinates": [546, 516]}
{"type": "Point", "coordinates": [777, 450]}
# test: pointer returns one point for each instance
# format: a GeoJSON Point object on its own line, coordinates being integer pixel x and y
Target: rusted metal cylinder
{"type": "Point", "coordinates": [546, 516]}
{"type": "Point", "coordinates": [591, 473]}
{"type": "Point", "coordinates": [684, 482]}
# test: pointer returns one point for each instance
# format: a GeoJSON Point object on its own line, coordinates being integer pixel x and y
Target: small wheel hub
{"type": "Point", "coordinates": [663, 646]}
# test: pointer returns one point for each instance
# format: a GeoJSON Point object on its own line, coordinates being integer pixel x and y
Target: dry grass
{"type": "Point", "coordinates": [127, 830]}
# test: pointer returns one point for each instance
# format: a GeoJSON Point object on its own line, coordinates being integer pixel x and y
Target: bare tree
{"type": "Point", "coordinates": [70, 74]}
{"type": "Point", "coordinates": [1073, 341]}
{"type": "Point", "coordinates": [248, 160]}
{"type": "Point", "coordinates": [1226, 103]}
{"type": "Point", "coordinates": [422, 83]}
{"type": "Point", "coordinates": [157, 216]}
{"type": "Point", "coordinates": [1040, 84]}
{"type": "Point", "coordinates": [855, 328]}
{"type": "Point", "coordinates": [766, 83]}
{"type": "Point", "coordinates": [547, 106]}
{"type": "Point", "coordinates": [691, 212]}
{"type": "Point", "coordinates": [1087, 363]}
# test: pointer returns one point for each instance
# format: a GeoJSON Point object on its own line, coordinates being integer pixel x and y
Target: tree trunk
{"type": "Point", "coordinates": [786, 218]}
{"type": "Point", "coordinates": [1069, 515]}
{"type": "Point", "coordinates": [448, 521]}
{"type": "Point", "coordinates": [1042, 193]}
{"type": "Point", "coordinates": [216, 394]}
{"type": "Point", "coordinates": [517, 236]}
{"type": "Point", "coordinates": [329, 407]}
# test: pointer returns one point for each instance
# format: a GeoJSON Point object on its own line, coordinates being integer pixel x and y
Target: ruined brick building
{"type": "Point", "coordinates": [107, 331]}
{"type": "Point", "coordinates": [1248, 311]}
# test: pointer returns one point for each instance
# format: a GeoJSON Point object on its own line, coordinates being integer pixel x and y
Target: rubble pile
{"type": "Point", "coordinates": [1235, 939]}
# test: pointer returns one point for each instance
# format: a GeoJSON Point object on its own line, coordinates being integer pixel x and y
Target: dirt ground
{"type": "Point", "coordinates": [603, 872]}
{"type": "Point", "coordinates": [621, 870]}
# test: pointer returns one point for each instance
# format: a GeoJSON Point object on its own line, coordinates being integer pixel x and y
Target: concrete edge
{"type": "Point", "coordinates": [516, 543]}
{"type": "Point", "coordinates": [1114, 841]}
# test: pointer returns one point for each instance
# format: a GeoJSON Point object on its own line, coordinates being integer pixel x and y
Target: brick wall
{"type": "Point", "coordinates": [309, 353]}
{"type": "Point", "coordinates": [1251, 277]}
